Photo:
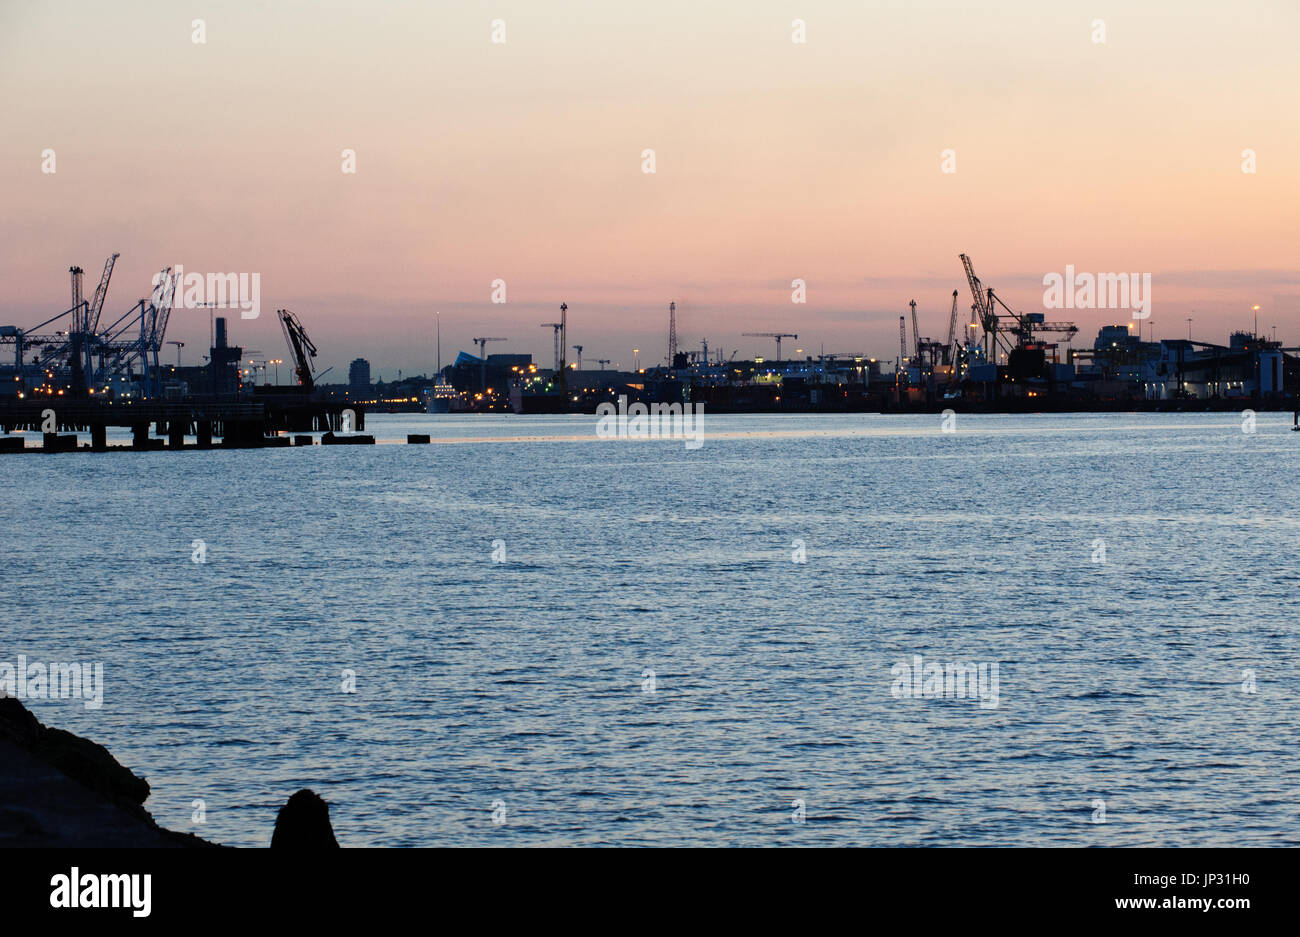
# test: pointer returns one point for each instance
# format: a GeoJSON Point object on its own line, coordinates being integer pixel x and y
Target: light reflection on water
{"type": "Point", "coordinates": [522, 681]}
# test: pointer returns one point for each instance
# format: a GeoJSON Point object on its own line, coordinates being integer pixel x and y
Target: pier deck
{"type": "Point", "coordinates": [241, 422]}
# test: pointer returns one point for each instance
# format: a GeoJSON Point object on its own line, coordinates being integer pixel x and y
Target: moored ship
{"type": "Point", "coordinates": [443, 398]}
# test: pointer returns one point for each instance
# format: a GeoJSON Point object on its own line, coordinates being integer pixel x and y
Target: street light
{"type": "Point", "coordinates": [277, 362]}
{"type": "Point", "coordinates": [636, 359]}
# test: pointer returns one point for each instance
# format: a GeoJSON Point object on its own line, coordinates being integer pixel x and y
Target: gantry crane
{"type": "Point", "coordinates": [776, 335]}
{"type": "Point", "coordinates": [1001, 327]}
{"type": "Point", "coordinates": [929, 354]}
{"type": "Point", "coordinates": [87, 355]}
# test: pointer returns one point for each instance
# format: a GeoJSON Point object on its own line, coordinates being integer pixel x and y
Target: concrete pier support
{"type": "Point", "coordinates": [204, 430]}
{"type": "Point", "coordinates": [139, 435]}
{"type": "Point", "coordinates": [176, 435]}
{"type": "Point", "coordinates": [98, 437]}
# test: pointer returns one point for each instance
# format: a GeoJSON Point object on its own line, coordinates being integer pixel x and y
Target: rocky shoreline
{"type": "Point", "coordinates": [61, 790]}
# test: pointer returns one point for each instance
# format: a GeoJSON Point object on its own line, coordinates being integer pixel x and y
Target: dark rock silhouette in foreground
{"type": "Point", "coordinates": [304, 823]}
{"type": "Point", "coordinates": [59, 789]}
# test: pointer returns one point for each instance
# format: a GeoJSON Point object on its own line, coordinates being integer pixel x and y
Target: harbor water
{"type": "Point", "coordinates": [525, 634]}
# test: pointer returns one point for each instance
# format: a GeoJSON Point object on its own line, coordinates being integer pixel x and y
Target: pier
{"type": "Point", "coordinates": [232, 423]}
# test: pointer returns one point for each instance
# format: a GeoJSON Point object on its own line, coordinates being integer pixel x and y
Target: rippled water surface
{"type": "Point", "coordinates": [524, 681]}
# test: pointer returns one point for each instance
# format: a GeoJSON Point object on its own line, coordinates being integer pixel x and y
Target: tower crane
{"type": "Point", "coordinates": [557, 326]}
{"type": "Point", "coordinates": [482, 352]}
{"type": "Point", "coordinates": [776, 335]}
{"type": "Point", "coordinates": [561, 379]}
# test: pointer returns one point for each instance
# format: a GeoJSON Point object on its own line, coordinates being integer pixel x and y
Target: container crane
{"type": "Point", "coordinates": [998, 325]}
{"type": "Point", "coordinates": [93, 356]}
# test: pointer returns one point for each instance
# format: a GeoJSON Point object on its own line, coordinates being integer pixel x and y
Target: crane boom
{"type": "Point", "coordinates": [300, 346]}
{"type": "Point", "coordinates": [164, 297]}
{"type": "Point", "coordinates": [976, 289]}
{"type": "Point", "coordinates": [776, 335]}
{"type": "Point", "coordinates": [101, 291]}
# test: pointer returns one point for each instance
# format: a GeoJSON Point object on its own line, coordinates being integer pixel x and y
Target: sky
{"type": "Point", "coordinates": [821, 161]}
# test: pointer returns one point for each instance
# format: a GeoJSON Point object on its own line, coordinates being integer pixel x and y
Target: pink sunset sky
{"type": "Point", "coordinates": [775, 160]}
